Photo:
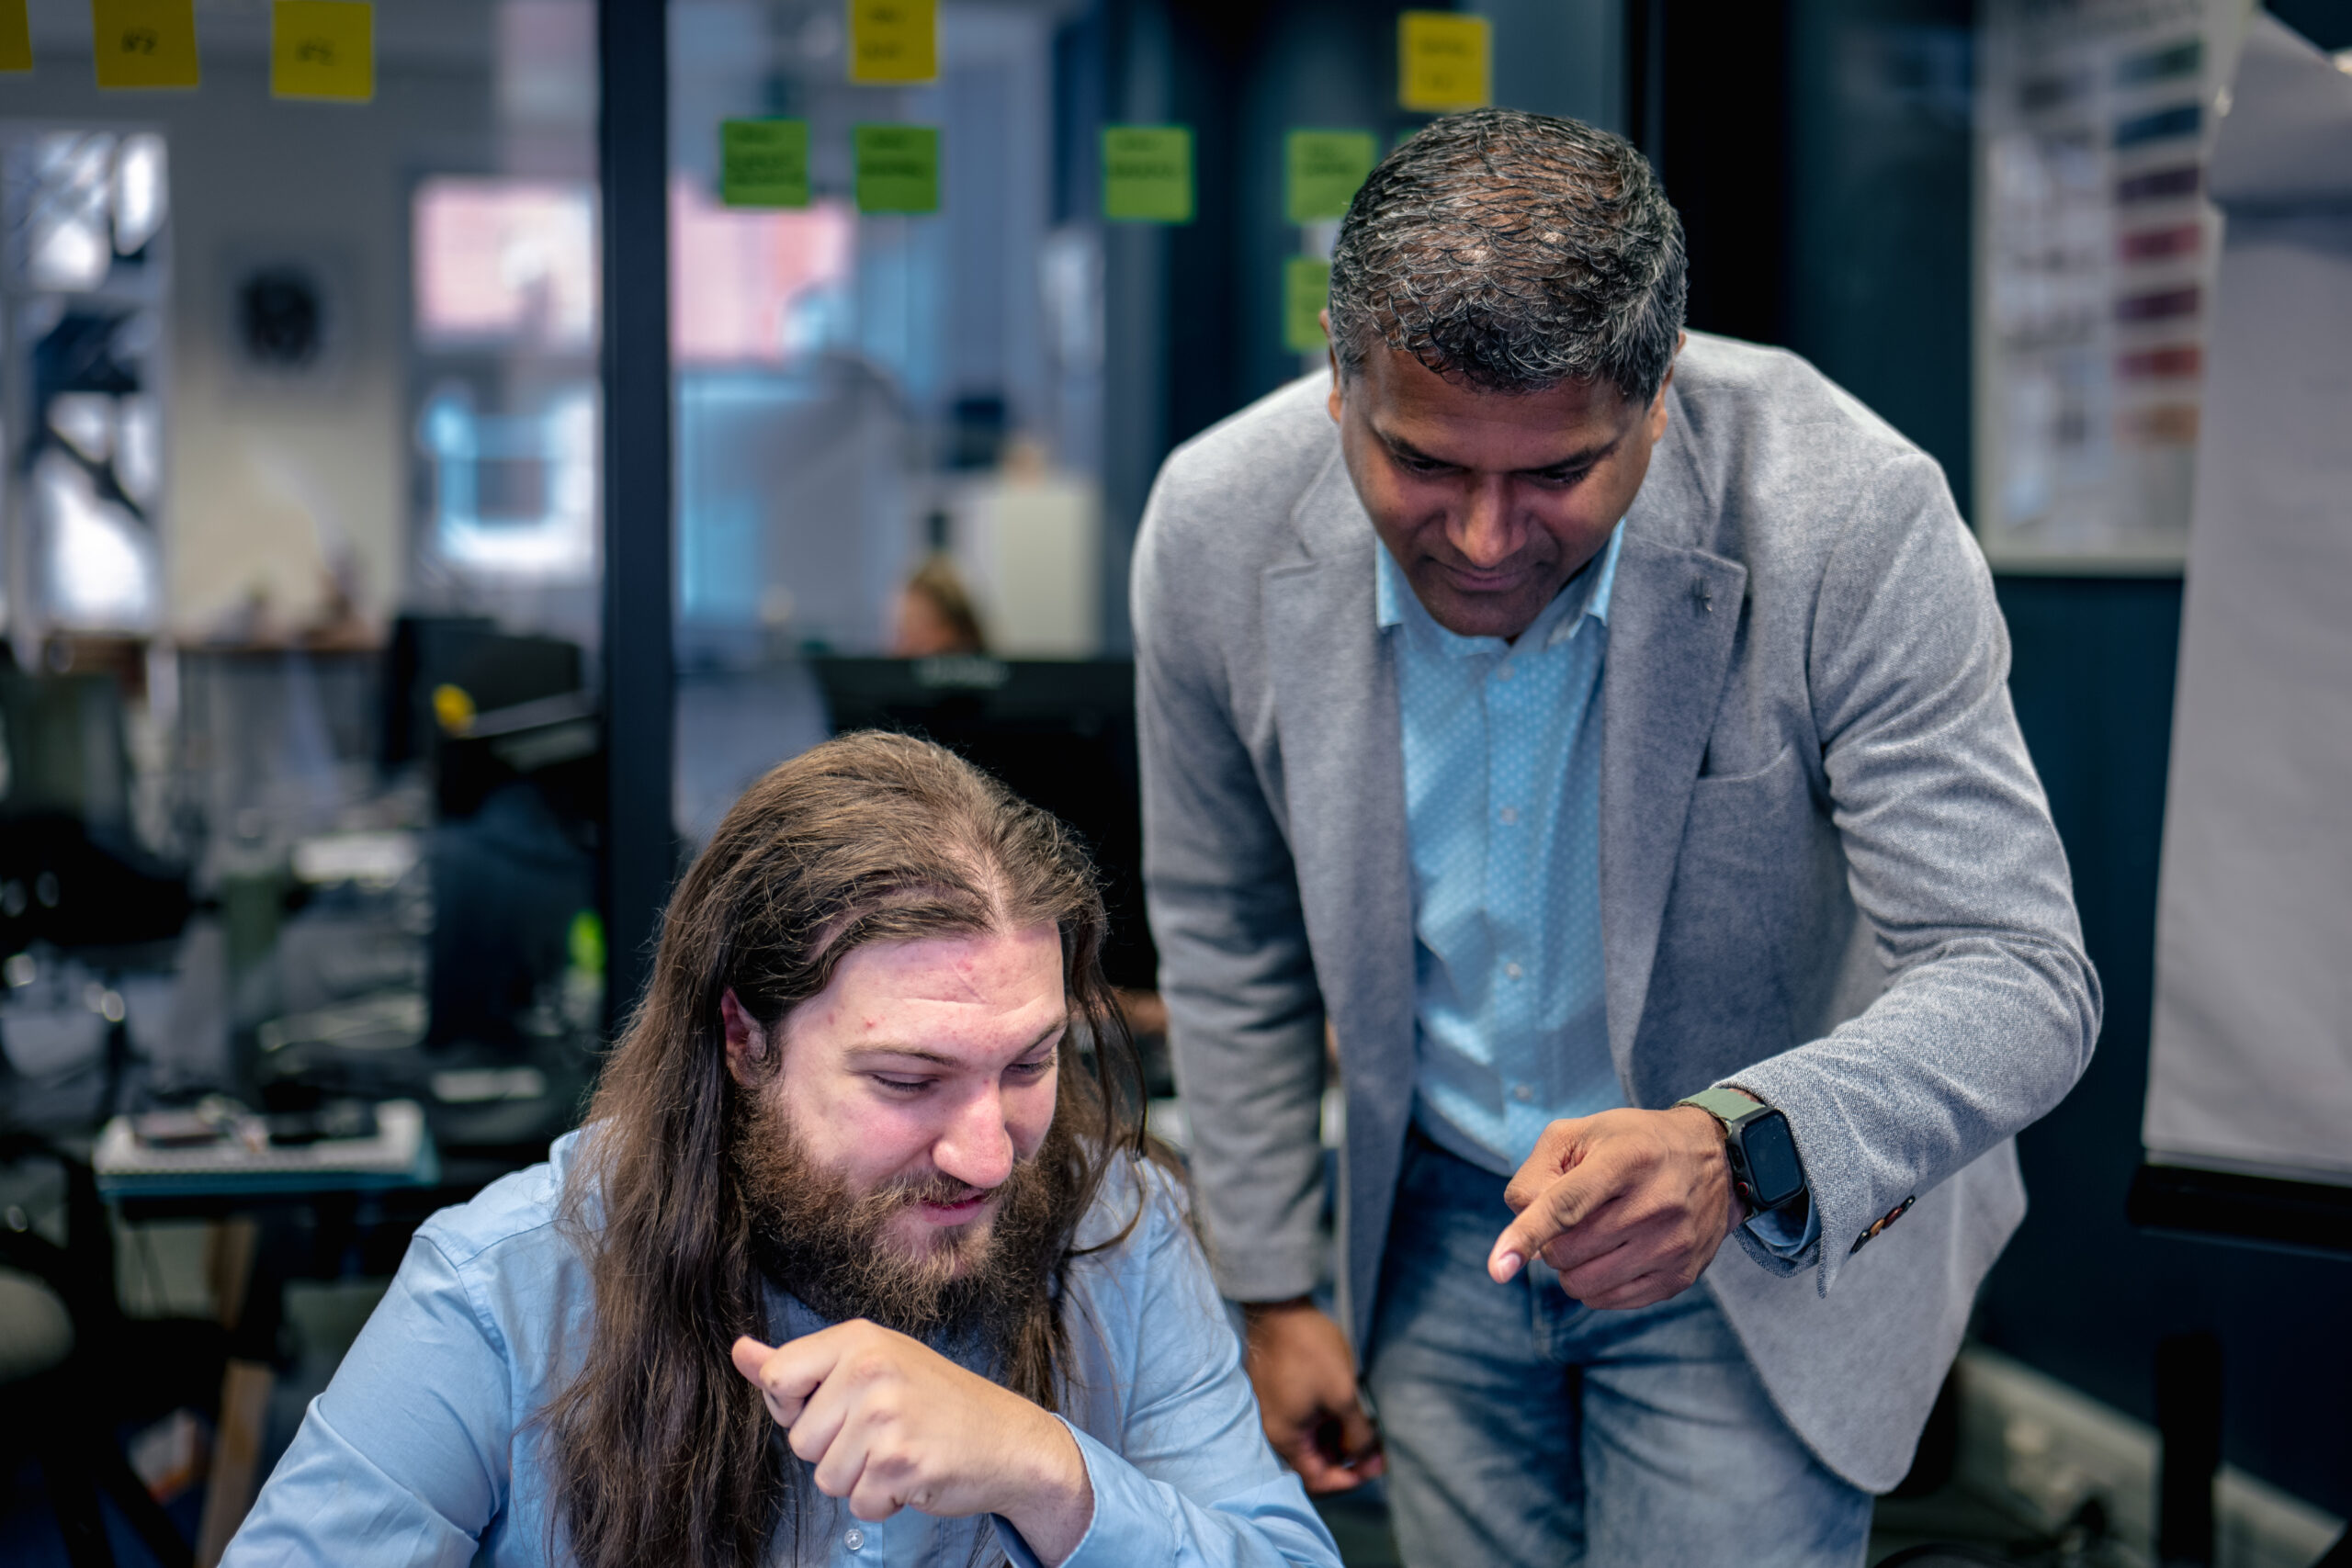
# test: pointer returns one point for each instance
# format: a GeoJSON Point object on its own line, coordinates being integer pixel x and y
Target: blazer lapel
{"type": "Point", "coordinates": [1343, 790]}
{"type": "Point", "coordinates": [1673, 617]}
{"type": "Point", "coordinates": [1343, 778]}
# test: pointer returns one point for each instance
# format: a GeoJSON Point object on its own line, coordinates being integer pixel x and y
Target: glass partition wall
{"type": "Point", "coordinates": [886, 329]}
{"type": "Point", "coordinates": [299, 394]}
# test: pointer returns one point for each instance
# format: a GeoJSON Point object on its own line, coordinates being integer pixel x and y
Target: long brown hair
{"type": "Point", "coordinates": [662, 1454]}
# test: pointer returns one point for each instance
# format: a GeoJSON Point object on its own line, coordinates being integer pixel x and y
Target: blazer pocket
{"type": "Point", "coordinates": [1780, 758]}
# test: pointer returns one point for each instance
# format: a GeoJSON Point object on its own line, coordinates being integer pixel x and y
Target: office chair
{"type": "Point", "coordinates": [73, 873]}
{"type": "Point", "coordinates": [74, 1368]}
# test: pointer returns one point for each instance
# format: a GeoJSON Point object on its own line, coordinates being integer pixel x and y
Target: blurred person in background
{"type": "Point", "coordinates": [935, 613]}
{"type": "Point", "coordinates": [1606, 732]}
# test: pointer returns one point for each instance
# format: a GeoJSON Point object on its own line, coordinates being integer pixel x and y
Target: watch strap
{"type": "Point", "coordinates": [1726, 1105]}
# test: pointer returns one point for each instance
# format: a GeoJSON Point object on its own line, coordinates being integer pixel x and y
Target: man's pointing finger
{"type": "Point", "coordinates": [1558, 1207]}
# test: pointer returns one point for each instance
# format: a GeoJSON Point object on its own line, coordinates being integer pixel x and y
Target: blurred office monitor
{"type": "Point", "coordinates": [61, 747]}
{"type": "Point", "coordinates": [72, 871]}
{"type": "Point", "coordinates": [495, 669]}
{"type": "Point", "coordinates": [1060, 733]}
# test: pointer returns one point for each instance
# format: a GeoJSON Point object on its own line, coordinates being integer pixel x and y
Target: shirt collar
{"type": "Point", "coordinates": [1587, 594]}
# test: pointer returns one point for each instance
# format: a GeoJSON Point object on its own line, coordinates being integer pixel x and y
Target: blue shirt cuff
{"type": "Point", "coordinates": [1781, 1237]}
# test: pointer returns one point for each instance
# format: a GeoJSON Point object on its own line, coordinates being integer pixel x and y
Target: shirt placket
{"type": "Point", "coordinates": [1509, 886]}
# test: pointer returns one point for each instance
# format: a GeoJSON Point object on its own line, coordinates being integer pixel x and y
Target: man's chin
{"type": "Point", "coordinates": [926, 1234]}
{"type": "Point", "coordinates": [1484, 614]}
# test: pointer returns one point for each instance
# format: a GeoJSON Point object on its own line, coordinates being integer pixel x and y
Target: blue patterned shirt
{"type": "Point", "coordinates": [1502, 804]}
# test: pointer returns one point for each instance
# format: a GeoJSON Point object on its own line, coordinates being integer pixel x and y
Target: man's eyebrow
{"type": "Point", "coordinates": [920, 1054]}
{"type": "Point", "coordinates": [1579, 459]}
{"type": "Point", "coordinates": [1583, 460]}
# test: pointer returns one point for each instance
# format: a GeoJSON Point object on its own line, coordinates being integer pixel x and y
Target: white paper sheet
{"type": "Point", "coordinates": [2251, 1064]}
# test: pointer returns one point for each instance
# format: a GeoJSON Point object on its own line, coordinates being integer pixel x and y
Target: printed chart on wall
{"type": "Point", "coordinates": [2095, 262]}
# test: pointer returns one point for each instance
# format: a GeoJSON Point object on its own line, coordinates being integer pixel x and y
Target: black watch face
{"type": "Point", "coordinates": [1772, 1168]}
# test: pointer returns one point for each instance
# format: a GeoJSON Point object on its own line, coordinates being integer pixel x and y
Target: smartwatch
{"type": "Point", "coordinates": [1763, 1155]}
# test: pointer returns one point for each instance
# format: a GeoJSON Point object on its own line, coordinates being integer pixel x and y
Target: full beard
{"type": "Point", "coordinates": [976, 1285]}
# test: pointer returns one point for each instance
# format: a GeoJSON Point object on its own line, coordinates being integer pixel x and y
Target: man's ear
{"type": "Point", "coordinates": [1331, 353]}
{"type": "Point", "coordinates": [1657, 416]}
{"type": "Point", "coordinates": [747, 1046]}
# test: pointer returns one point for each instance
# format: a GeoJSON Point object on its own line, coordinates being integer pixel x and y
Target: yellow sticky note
{"type": "Point", "coordinates": [893, 41]}
{"type": "Point", "coordinates": [144, 43]}
{"type": "Point", "coordinates": [1443, 60]}
{"type": "Point", "coordinates": [15, 37]}
{"type": "Point", "coordinates": [322, 49]}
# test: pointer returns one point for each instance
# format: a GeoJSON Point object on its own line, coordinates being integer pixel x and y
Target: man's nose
{"type": "Point", "coordinates": [976, 1147]}
{"type": "Point", "coordinates": [1486, 538]}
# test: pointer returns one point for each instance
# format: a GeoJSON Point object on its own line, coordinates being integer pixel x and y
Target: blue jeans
{"type": "Point", "coordinates": [1524, 1428]}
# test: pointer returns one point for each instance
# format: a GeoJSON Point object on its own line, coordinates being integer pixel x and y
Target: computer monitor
{"type": "Point", "coordinates": [1060, 733]}
{"type": "Point", "coordinates": [495, 670]}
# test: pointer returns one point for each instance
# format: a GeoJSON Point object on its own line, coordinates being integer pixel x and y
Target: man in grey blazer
{"type": "Point", "coordinates": [1575, 719]}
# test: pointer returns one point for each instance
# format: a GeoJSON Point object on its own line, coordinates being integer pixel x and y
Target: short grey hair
{"type": "Point", "coordinates": [1513, 251]}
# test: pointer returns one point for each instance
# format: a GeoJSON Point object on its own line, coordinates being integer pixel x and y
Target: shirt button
{"type": "Point", "coordinates": [855, 1538]}
{"type": "Point", "coordinates": [1509, 815]}
{"type": "Point", "coordinates": [1522, 1093]}
{"type": "Point", "coordinates": [1502, 672]}
{"type": "Point", "coordinates": [1511, 970]}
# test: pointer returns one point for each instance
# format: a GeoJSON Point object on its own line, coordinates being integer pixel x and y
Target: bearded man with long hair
{"type": "Point", "coordinates": [863, 1254]}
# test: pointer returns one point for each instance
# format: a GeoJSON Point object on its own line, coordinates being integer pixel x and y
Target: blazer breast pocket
{"type": "Point", "coordinates": [1751, 825]}
{"type": "Point", "coordinates": [1709, 783]}
{"type": "Point", "coordinates": [1747, 884]}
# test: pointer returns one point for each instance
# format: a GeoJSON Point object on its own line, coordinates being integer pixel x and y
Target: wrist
{"type": "Point", "coordinates": [1053, 1505]}
{"type": "Point", "coordinates": [1708, 1145]}
{"type": "Point", "coordinates": [1757, 1145]}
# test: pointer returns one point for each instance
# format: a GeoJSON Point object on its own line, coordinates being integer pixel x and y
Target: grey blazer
{"type": "Point", "coordinates": [1826, 868]}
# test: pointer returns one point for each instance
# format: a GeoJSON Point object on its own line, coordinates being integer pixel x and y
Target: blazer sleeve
{"type": "Point", "coordinates": [1992, 1006]}
{"type": "Point", "coordinates": [1245, 1014]}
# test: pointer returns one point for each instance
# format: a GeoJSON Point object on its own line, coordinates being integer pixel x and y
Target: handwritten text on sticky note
{"type": "Point", "coordinates": [144, 43]}
{"type": "Point", "coordinates": [896, 167]}
{"type": "Point", "coordinates": [1147, 173]}
{"type": "Point", "coordinates": [1321, 171]}
{"type": "Point", "coordinates": [1443, 59]}
{"type": "Point", "coordinates": [763, 162]}
{"type": "Point", "coordinates": [893, 41]}
{"type": "Point", "coordinates": [322, 49]}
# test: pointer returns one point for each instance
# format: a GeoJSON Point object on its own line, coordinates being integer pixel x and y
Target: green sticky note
{"type": "Point", "coordinates": [1322, 170]}
{"type": "Point", "coordinates": [1147, 173]}
{"type": "Point", "coordinates": [897, 167]}
{"type": "Point", "coordinates": [1306, 289]}
{"type": "Point", "coordinates": [763, 162]}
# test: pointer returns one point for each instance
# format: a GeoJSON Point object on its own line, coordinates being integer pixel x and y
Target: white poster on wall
{"type": "Point", "coordinates": [2251, 1066]}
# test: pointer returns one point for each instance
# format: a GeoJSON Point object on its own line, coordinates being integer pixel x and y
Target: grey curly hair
{"type": "Point", "coordinates": [1513, 251]}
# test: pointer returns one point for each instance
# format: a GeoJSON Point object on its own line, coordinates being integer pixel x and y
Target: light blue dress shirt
{"type": "Point", "coordinates": [1502, 805]}
{"type": "Point", "coordinates": [421, 1451]}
